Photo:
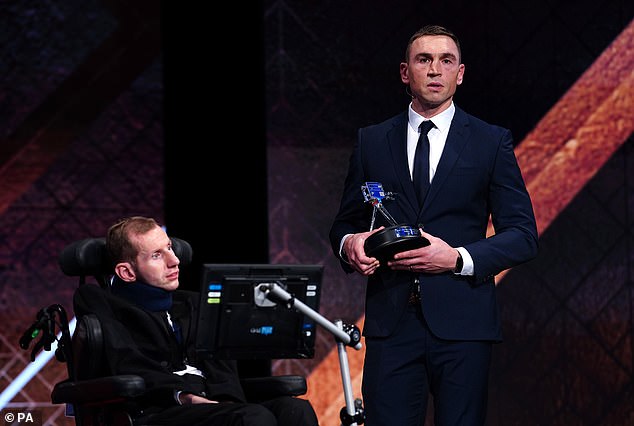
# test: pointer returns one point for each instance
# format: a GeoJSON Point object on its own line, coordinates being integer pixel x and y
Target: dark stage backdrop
{"type": "Point", "coordinates": [237, 137]}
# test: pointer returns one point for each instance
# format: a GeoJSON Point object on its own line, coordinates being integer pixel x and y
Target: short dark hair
{"type": "Point", "coordinates": [118, 242]}
{"type": "Point", "coordinates": [432, 30]}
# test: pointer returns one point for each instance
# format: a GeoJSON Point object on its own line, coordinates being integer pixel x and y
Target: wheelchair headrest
{"type": "Point", "coordinates": [89, 257]}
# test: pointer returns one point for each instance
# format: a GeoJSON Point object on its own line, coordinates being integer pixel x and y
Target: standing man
{"type": "Point", "coordinates": [431, 313]}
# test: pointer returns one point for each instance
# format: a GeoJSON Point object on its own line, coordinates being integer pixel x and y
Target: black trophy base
{"type": "Point", "coordinates": [387, 242]}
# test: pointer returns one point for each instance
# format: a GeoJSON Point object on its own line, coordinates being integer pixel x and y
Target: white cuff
{"type": "Point", "coordinates": [467, 261]}
{"type": "Point", "coordinates": [342, 254]}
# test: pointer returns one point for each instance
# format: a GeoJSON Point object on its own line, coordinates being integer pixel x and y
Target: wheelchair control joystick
{"type": "Point", "coordinates": [44, 328]}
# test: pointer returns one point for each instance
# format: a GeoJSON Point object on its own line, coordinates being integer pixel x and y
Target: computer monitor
{"type": "Point", "coordinates": [232, 324]}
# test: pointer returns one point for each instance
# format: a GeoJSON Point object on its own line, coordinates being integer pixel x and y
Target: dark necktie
{"type": "Point", "coordinates": [421, 162]}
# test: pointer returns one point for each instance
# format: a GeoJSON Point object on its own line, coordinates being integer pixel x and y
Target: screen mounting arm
{"type": "Point", "coordinates": [346, 335]}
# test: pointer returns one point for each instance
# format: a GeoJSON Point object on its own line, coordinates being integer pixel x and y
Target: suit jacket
{"type": "Point", "coordinates": [141, 342]}
{"type": "Point", "coordinates": [477, 176]}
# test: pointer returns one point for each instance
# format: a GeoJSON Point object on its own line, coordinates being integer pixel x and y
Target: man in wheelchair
{"type": "Point", "coordinates": [149, 328]}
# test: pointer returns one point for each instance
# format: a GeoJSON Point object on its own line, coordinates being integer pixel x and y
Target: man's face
{"type": "Point", "coordinates": [433, 72]}
{"type": "Point", "coordinates": [156, 264]}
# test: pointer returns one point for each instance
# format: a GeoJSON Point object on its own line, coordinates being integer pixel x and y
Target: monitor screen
{"type": "Point", "coordinates": [235, 323]}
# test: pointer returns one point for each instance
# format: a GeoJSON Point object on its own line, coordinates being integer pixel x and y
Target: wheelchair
{"type": "Point", "coordinates": [92, 395]}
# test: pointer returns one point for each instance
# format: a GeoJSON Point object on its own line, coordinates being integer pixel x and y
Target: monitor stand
{"type": "Point", "coordinates": [345, 334]}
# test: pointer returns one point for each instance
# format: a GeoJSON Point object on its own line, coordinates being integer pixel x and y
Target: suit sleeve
{"type": "Point", "coordinates": [515, 240]}
{"type": "Point", "coordinates": [353, 215]}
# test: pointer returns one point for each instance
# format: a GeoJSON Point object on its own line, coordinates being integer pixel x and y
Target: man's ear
{"type": "Point", "coordinates": [125, 271]}
{"type": "Point", "coordinates": [403, 72]}
{"type": "Point", "coordinates": [460, 74]}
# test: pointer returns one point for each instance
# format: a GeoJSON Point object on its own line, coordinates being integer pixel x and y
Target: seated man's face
{"type": "Point", "coordinates": [155, 264]}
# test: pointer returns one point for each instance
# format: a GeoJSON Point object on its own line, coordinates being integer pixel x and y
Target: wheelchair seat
{"type": "Point", "coordinates": [92, 395]}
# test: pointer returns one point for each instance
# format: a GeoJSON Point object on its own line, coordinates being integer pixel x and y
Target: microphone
{"type": "Point", "coordinates": [35, 328]}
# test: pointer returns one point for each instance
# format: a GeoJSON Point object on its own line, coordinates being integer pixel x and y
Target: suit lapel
{"type": "Point", "coordinates": [397, 140]}
{"type": "Point", "coordinates": [456, 139]}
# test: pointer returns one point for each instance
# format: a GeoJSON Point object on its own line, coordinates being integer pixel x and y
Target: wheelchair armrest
{"type": "Point", "coordinates": [103, 389]}
{"type": "Point", "coordinates": [262, 388]}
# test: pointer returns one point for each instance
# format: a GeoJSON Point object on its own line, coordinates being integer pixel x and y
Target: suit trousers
{"type": "Point", "coordinates": [403, 369]}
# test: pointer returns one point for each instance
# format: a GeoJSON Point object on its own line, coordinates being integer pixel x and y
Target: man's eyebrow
{"type": "Point", "coordinates": [442, 55]}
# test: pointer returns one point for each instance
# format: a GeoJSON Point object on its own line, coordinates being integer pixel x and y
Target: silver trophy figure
{"type": "Point", "coordinates": [394, 238]}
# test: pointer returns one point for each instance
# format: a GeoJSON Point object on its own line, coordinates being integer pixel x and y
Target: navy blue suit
{"type": "Point", "coordinates": [477, 176]}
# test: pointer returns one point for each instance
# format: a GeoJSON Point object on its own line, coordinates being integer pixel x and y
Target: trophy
{"type": "Point", "coordinates": [394, 238]}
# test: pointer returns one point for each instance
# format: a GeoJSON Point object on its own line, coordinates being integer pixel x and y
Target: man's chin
{"type": "Point", "coordinates": [171, 286]}
{"type": "Point", "coordinates": [436, 103]}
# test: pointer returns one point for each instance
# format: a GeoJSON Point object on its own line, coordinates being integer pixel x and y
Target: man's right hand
{"type": "Point", "coordinates": [354, 250]}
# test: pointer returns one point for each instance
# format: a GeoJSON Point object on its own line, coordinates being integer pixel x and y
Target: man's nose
{"type": "Point", "coordinates": [434, 67]}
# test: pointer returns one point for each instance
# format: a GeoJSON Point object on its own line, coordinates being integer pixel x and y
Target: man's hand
{"type": "Point", "coordinates": [435, 258]}
{"type": "Point", "coordinates": [190, 398]}
{"type": "Point", "coordinates": [354, 249]}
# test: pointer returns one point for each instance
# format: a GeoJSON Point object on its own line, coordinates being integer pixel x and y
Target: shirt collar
{"type": "Point", "coordinates": [442, 121]}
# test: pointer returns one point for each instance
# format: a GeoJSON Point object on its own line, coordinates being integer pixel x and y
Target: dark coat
{"type": "Point", "coordinates": [142, 343]}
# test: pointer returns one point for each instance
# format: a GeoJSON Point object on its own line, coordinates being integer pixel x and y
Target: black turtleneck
{"type": "Point", "coordinates": [146, 296]}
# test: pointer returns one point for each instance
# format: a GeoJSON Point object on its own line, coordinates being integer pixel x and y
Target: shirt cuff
{"type": "Point", "coordinates": [342, 253]}
{"type": "Point", "coordinates": [467, 262]}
